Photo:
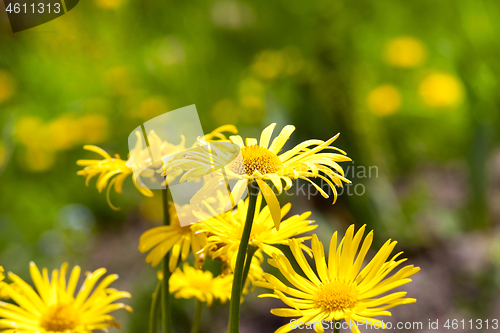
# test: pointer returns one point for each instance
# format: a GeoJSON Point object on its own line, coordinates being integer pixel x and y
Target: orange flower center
{"type": "Point", "coordinates": [256, 158]}
{"type": "Point", "coordinates": [336, 296]}
{"type": "Point", "coordinates": [59, 318]}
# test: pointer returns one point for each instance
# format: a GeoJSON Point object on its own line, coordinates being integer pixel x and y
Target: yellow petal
{"type": "Point", "coordinates": [281, 139]}
{"type": "Point", "coordinates": [272, 202]}
{"type": "Point", "coordinates": [265, 137]}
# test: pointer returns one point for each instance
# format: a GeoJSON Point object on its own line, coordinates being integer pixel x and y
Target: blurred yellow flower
{"type": "Point", "coordinates": [252, 96]}
{"type": "Point", "coordinates": [55, 308]}
{"type": "Point", "coordinates": [384, 100]}
{"type": "Point", "coordinates": [405, 52]}
{"type": "Point", "coordinates": [225, 230]}
{"type": "Point", "coordinates": [109, 4]}
{"type": "Point", "coordinates": [441, 90]}
{"type": "Point", "coordinates": [268, 64]}
{"type": "Point", "coordinates": [27, 129]}
{"type": "Point", "coordinates": [7, 86]}
{"type": "Point", "coordinates": [202, 285]}
{"type": "Point", "coordinates": [63, 132]}
{"type": "Point", "coordinates": [118, 79]}
{"type": "Point", "coordinates": [339, 289]}
{"type": "Point", "coordinates": [37, 160]}
{"type": "Point", "coordinates": [151, 107]}
{"type": "Point", "coordinates": [94, 128]}
{"type": "Point", "coordinates": [181, 240]}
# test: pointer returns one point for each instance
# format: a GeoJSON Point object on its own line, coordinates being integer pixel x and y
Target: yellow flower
{"type": "Point", "coordinates": [225, 230]}
{"type": "Point", "coordinates": [28, 131]}
{"type": "Point", "coordinates": [260, 162]}
{"type": "Point", "coordinates": [111, 171]}
{"type": "Point", "coordinates": [181, 240]}
{"type": "Point", "coordinates": [441, 90]}
{"type": "Point", "coordinates": [63, 132]}
{"type": "Point", "coordinates": [268, 64]}
{"type": "Point", "coordinates": [405, 52]}
{"type": "Point", "coordinates": [114, 171]}
{"type": "Point", "coordinates": [109, 4]}
{"type": "Point", "coordinates": [38, 160]}
{"type": "Point", "coordinates": [94, 128]}
{"type": "Point", "coordinates": [339, 289]}
{"type": "Point", "coordinates": [195, 283]}
{"type": "Point", "coordinates": [384, 100]}
{"type": "Point", "coordinates": [54, 308]}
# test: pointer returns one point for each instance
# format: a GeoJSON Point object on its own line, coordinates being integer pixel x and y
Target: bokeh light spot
{"type": "Point", "coordinates": [384, 100]}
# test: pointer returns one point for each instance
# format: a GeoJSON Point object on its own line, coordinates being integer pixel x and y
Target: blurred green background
{"type": "Point", "coordinates": [411, 86]}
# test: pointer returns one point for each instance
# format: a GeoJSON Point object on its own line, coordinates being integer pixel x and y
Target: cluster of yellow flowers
{"type": "Point", "coordinates": [341, 287]}
{"type": "Point", "coordinates": [436, 89]}
{"type": "Point", "coordinates": [42, 140]}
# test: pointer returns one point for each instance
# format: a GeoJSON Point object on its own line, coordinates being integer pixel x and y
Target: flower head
{"type": "Point", "coordinates": [384, 100]}
{"type": "Point", "coordinates": [340, 289]}
{"type": "Point", "coordinates": [261, 161]}
{"type": "Point", "coordinates": [181, 240]}
{"type": "Point", "coordinates": [405, 52]}
{"type": "Point", "coordinates": [225, 230]}
{"type": "Point", "coordinates": [441, 90]}
{"type": "Point", "coordinates": [195, 283]}
{"type": "Point", "coordinates": [55, 308]}
{"type": "Point", "coordinates": [113, 171]}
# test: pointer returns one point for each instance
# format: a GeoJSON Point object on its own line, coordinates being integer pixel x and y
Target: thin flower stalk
{"type": "Point", "coordinates": [238, 283]}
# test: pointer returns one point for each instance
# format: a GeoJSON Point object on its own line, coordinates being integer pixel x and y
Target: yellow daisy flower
{"type": "Point", "coordinates": [225, 230]}
{"type": "Point", "coordinates": [111, 171]}
{"type": "Point", "coordinates": [114, 171]}
{"type": "Point", "coordinates": [339, 289]}
{"type": "Point", "coordinates": [261, 161]}
{"type": "Point", "coordinates": [181, 240]}
{"type": "Point", "coordinates": [202, 285]}
{"type": "Point", "coordinates": [54, 308]}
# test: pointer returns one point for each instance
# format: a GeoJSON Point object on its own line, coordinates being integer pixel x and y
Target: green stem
{"type": "Point", "coordinates": [155, 310]}
{"type": "Point", "coordinates": [197, 317]}
{"type": "Point", "coordinates": [234, 311]}
{"type": "Point", "coordinates": [165, 291]}
{"type": "Point", "coordinates": [335, 329]}
{"type": "Point", "coordinates": [248, 262]}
